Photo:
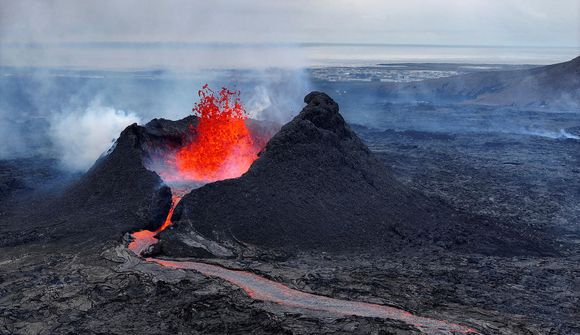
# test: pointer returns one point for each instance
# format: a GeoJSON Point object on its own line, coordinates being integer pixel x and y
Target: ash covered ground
{"type": "Point", "coordinates": [61, 275]}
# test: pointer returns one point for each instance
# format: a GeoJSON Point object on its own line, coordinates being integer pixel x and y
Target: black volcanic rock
{"type": "Point", "coordinates": [117, 195]}
{"type": "Point", "coordinates": [121, 193]}
{"type": "Point", "coordinates": [316, 185]}
{"type": "Point", "coordinates": [140, 199]}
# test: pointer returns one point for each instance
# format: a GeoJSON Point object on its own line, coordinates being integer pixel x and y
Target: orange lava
{"type": "Point", "coordinates": [143, 239]}
{"type": "Point", "coordinates": [260, 288]}
{"type": "Point", "coordinates": [174, 200]}
{"type": "Point", "coordinates": [222, 147]}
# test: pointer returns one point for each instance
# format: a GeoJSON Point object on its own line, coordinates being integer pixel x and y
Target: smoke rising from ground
{"type": "Point", "coordinates": [81, 137]}
{"type": "Point", "coordinates": [55, 113]}
{"type": "Point", "coordinates": [277, 98]}
{"type": "Point", "coordinates": [56, 58]}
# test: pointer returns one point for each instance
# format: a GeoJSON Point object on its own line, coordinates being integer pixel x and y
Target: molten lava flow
{"type": "Point", "coordinates": [222, 146]}
{"type": "Point", "coordinates": [260, 288]}
{"type": "Point", "coordinates": [174, 200]}
{"type": "Point", "coordinates": [143, 239]}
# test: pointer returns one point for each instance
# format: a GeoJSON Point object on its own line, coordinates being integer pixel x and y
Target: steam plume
{"type": "Point", "coordinates": [80, 138]}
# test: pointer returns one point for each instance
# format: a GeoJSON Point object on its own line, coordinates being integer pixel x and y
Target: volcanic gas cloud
{"type": "Point", "coordinates": [221, 146]}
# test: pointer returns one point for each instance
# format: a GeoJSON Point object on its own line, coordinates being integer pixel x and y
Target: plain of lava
{"type": "Point", "coordinates": [314, 186]}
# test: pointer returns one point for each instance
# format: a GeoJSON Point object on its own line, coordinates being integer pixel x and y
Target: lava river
{"type": "Point", "coordinates": [143, 239]}
{"type": "Point", "coordinates": [260, 288]}
{"type": "Point", "coordinates": [203, 165]}
{"type": "Point", "coordinates": [263, 289]}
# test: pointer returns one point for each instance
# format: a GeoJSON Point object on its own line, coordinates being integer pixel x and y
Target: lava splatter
{"type": "Point", "coordinates": [222, 146]}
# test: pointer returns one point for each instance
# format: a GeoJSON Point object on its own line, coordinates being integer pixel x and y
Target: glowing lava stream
{"type": "Point", "coordinates": [143, 239]}
{"type": "Point", "coordinates": [260, 288]}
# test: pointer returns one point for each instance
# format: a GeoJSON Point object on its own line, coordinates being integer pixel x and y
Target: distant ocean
{"type": "Point", "coordinates": [191, 57]}
{"type": "Point", "coordinates": [373, 54]}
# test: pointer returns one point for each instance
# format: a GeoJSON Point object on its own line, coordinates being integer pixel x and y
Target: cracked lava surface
{"type": "Point", "coordinates": [263, 289]}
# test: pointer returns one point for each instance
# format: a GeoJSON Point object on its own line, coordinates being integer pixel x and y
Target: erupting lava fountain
{"type": "Point", "coordinates": [221, 146]}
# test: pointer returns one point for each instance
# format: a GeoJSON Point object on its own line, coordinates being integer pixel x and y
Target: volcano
{"type": "Point", "coordinates": [315, 186]}
{"type": "Point", "coordinates": [121, 192]}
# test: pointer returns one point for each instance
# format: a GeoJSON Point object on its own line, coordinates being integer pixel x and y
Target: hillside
{"type": "Point", "coordinates": [556, 86]}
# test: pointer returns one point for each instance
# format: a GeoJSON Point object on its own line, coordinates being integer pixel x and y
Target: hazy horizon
{"type": "Point", "coordinates": [185, 57]}
{"type": "Point", "coordinates": [184, 35]}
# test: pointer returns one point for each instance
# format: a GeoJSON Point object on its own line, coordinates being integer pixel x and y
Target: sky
{"type": "Point", "coordinates": [440, 22]}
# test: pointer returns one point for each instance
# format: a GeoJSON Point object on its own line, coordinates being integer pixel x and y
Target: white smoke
{"type": "Point", "coordinates": [258, 102]}
{"type": "Point", "coordinates": [49, 69]}
{"type": "Point", "coordinates": [81, 137]}
{"type": "Point", "coordinates": [278, 96]}
{"type": "Point", "coordinates": [561, 135]}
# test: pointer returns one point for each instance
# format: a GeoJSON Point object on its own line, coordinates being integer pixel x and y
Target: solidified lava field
{"type": "Point", "coordinates": [65, 268]}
